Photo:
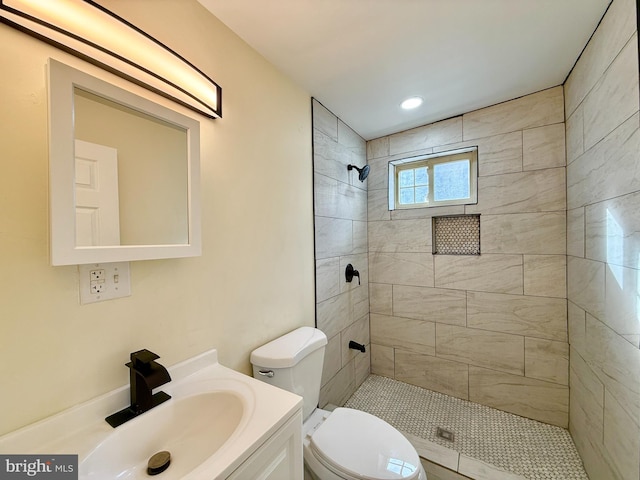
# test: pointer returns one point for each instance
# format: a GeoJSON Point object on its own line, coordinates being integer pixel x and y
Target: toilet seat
{"type": "Point", "coordinates": [358, 445]}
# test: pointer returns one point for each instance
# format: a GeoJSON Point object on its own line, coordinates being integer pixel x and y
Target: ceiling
{"type": "Point", "coordinates": [361, 58]}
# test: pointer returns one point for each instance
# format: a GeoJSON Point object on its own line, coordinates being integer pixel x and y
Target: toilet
{"type": "Point", "coordinates": [345, 444]}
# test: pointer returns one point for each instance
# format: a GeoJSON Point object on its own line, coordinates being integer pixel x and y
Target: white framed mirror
{"type": "Point", "coordinates": [124, 174]}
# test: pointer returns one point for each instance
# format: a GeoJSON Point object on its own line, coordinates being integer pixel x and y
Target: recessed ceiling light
{"type": "Point", "coordinates": [411, 103]}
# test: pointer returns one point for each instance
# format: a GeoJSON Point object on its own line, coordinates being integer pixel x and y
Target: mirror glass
{"type": "Point", "coordinates": [124, 173]}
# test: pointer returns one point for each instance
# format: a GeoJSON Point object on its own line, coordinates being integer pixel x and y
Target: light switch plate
{"type": "Point", "coordinates": [104, 281]}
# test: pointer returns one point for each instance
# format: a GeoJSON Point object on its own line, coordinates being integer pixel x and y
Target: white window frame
{"type": "Point", "coordinates": [396, 166]}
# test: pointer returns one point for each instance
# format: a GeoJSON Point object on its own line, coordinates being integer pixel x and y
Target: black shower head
{"type": "Point", "coordinates": [364, 171]}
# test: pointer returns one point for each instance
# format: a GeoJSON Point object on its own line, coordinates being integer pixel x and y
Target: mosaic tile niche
{"type": "Point", "coordinates": [456, 235]}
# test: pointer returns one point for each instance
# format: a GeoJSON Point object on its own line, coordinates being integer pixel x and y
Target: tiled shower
{"type": "Point", "coordinates": [542, 324]}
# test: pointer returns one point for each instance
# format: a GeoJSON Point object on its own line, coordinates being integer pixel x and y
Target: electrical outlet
{"type": "Point", "coordinates": [99, 282]}
{"type": "Point", "coordinates": [96, 288]}
{"type": "Point", "coordinates": [95, 275]}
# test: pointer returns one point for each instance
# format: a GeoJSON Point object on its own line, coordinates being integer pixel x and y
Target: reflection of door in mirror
{"type": "Point", "coordinates": [152, 168]}
{"type": "Point", "coordinates": [97, 207]}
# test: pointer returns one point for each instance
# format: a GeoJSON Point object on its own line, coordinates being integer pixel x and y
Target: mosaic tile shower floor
{"type": "Point", "coordinates": [534, 450]}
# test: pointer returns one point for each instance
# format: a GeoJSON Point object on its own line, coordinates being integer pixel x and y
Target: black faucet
{"type": "Point", "coordinates": [145, 374]}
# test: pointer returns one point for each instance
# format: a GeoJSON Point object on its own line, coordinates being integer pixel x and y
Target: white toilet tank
{"type": "Point", "coordinates": [293, 362]}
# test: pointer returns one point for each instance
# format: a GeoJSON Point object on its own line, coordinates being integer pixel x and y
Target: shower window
{"type": "Point", "coordinates": [448, 178]}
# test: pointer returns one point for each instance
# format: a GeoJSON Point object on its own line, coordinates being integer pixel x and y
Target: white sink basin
{"type": "Point", "coordinates": [214, 421]}
{"type": "Point", "coordinates": [191, 429]}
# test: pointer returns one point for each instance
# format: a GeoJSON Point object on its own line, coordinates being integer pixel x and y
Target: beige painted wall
{"type": "Point", "coordinates": [603, 247]}
{"type": "Point", "coordinates": [489, 328]}
{"type": "Point", "coordinates": [255, 279]}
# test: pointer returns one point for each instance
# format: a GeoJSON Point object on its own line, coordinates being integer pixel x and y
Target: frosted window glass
{"type": "Point", "coordinates": [422, 194]}
{"type": "Point", "coordinates": [406, 196]}
{"type": "Point", "coordinates": [422, 177]}
{"type": "Point", "coordinates": [451, 180]}
{"type": "Point", "coordinates": [406, 178]}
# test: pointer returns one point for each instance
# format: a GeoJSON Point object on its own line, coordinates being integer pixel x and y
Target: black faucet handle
{"type": "Point", "coordinates": [142, 359]}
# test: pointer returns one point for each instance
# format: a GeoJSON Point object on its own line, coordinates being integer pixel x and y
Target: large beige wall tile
{"type": "Point", "coordinates": [382, 360]}
{"type": "Point", "coordinates": [577, 326]}
{"type": "Point", "coordinates": [332, 359]}
{"type": "Point", "coordinates": [587, 395]}
{"type": "Point", "coordinates": [614, 98]}
{"type": "Point", "coordinates": [591, 450]}
{"type": "Point", "coordinates": [429, 212]}
{"type": "Point", "coordinates": [327, 278]}
{"type": "Point", "coordinates": [354, 142]}
{"type": "Point", "coordinates": [574, 129]}
{"type": "Point", "coordinates": [544, 147]}
{"type": "Point", "coordinates": [359, 302]}
{"type": "Point", "coordinates": [621, 438]}
{"type": "Point", "coordinates": [516, 314]}
{"type": "Point", "coordinates": [377, 148]}
{"type": "Point", "coordinates": [325, 121]}
{"type": "Point", "coordinates": [378, 205]}
{"type": "Point", "coordinates": [334, 314]}
{"type": "Point", "coordinates": [338, 200]}
{"type": "Point", "coordinates": [400, 236]}
{"type": "Point", "coordinates": [329, 157]}
{"type": "Point", "coordinates": [435, 134]}
{"type": "Point", "coordinates": [381, 298]}
{"type": "Point", "coordinates": [591, 179]}
{"type": "Point", "coordinates": [378, 178]}
{"type": "Point", "coordinates": [363, 366]}
{"type": "Point", "coordinates": [496, 155]}
{"type": "Point", "coordinates": [401, 268]}
{"type": "Point", "coordinates": [334, 237]}
{"type": "Point", "coordinates": [575, 232]}
{"type": "Point", "coordinates": [338, 390]}
{"type": "Point", "coordinates": [431, 304]}
{"type": "Point", "coordinates": [546, 360]}
{"type": "Point", "coordinates": [484, 273]}
{"type": "Point", "coordinates": [543, 401]}
{"type": "Point", "coordinates": [358, 331]}
{"type": "Point", "coordinates": [536, 110]}
{"type": "Point", "coordinates": [499, 351]}
{"type": "Point", "coordinates": [621, 300]}
{"type": "Point", "coordinates": [444, 376]}
{"type": "Point", "coordinates": [615, 361]}
{"type": "Point", "coordinates": [535, 191]}
{"type": "Point", "coordinates": [545, 275]}
{"type": "Point", "coordinates": [404, 333]}
{"type": "Point", "coordinates": [586, 418]}
{"type": "Point", "coordinates": [615, 30]}
{"type": "Point", "coordinates": [532, 233]}
{"type": "Point", "coordinates": [612, 230]}
{"type": "Point", "coordinates": [359, 238]}
{"type": "Point", "coordinates": [585, 284]}
{"type": "Point", "coordinates": [603, 176]}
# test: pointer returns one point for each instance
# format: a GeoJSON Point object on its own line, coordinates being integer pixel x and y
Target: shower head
{"type": "Point", "coordinates": [364, 171]}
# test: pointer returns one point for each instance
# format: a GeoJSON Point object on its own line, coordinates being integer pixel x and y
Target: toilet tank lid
{"type": "Point", "coordinates": [288, 350]}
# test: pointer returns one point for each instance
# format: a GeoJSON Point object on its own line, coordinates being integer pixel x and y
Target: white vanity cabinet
{"type": "Point", "coordinates": [279, 458]}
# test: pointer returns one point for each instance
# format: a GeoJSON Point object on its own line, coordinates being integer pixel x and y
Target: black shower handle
{"type": "Point", "coordinates": [351, 272]}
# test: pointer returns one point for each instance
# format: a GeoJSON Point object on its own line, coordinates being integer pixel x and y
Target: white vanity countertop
{"type": "Point", "coordinates": [81, 429]}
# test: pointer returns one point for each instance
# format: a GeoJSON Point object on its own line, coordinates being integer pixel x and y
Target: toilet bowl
{"type": "Point", "coordinates": [345, 444]}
